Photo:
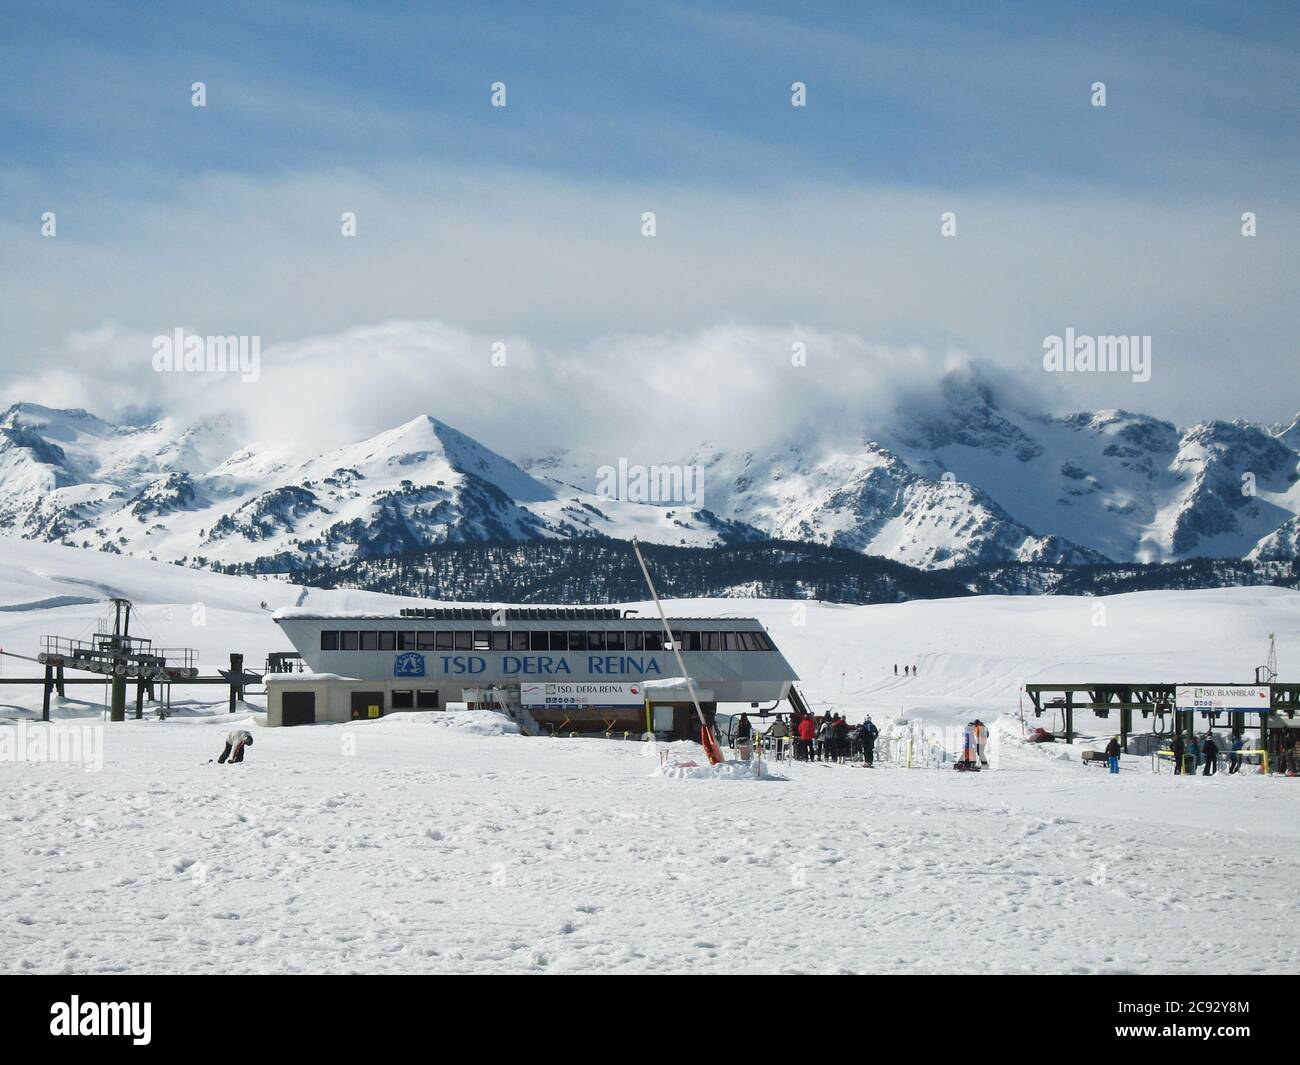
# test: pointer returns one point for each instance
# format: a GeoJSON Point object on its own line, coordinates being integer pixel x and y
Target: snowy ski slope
{"type": "Point", "coordinates": [445, 843]}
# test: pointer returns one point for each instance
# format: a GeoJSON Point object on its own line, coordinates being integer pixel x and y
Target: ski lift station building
{"type": "Point", "coordinates": [573, 669]}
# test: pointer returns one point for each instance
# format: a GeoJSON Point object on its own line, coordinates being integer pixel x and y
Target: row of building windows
{"type": "Point", "coordinates": [423, 699]}
{"type": "Point", "coordinates": [496, 640]}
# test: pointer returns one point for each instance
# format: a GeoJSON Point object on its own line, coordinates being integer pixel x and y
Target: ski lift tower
{"type": "Point", "coordinates": [120, 656]}
{"type": "Point", "coordinates": [1267, 673]}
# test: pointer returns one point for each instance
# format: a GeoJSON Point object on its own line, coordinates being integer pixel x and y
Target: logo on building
{"type": "Point", "coordinates": [409, 665]}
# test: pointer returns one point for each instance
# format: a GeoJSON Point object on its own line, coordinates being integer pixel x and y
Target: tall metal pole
{"type": "Point", "coordinates": [121, 627]}
{"type": "Point", "coordinates": [715, 755]}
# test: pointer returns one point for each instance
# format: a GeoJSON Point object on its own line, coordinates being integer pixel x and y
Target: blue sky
{"type": "Point", "coordinates": [519, 220]}
{"type": "Point", "coordinates": [966, 95]}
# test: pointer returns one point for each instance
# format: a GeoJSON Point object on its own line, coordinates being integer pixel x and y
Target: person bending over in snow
{"type": "Point", "coordinates": [235, 744]}
{"type": "Point", "coordinates": [1112, 754]}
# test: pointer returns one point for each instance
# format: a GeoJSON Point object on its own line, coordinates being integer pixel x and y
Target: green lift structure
{"type": "Point", "coordinates": [1102, 698]}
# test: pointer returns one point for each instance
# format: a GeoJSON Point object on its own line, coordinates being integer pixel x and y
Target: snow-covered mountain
{"type": "Point", "coordinates": [971, 478]}
{"type": "Point", "coordinates": [187, 494]}
{"type": "Point", "coordinates": [966, 478]}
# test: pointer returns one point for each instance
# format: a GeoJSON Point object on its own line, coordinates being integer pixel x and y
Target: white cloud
{"type": "Point", "coordinates": [595, 316]}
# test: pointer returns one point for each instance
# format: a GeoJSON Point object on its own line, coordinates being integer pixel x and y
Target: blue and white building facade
{"type": "Point", "coordinates": [368, 665]}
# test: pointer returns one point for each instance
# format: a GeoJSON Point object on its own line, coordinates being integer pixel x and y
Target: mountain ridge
{"type": "Point", "coordinates": [969, 479]}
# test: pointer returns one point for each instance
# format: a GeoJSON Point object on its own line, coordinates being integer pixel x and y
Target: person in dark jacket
{"type": "Point", "coordinates": [1210, 750]}
{"type": "Point", "coordinates": [840, 734]}
{"type": "Point", "coordinates": [744, 729]}
{"type": "Point", "coordinates": [1179, 750]}
{"type": "Point", "coordinates": [1234, 756]}
{"type": "Point", "coordinates": [867, 733]}
{"type": "Point", "coordinates": [1112, 754]}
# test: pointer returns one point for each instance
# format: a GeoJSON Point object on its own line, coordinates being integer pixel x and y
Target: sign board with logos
{"type": "Point", "coordinates": [570, 695]}
{"type": "Point", "coordinates": [1248, 698]}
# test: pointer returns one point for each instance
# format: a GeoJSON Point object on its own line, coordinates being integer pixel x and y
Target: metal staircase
{"type": "Point", "coordinates": [508, 703]}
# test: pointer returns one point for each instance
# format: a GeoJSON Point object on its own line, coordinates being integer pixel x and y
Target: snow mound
{"type": "Point", "coordinates": [470, 722]}
{"type": "Point", "coordinates": [754, 770]}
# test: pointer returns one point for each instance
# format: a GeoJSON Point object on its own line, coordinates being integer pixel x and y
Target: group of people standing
{"type": "Point", "coordinates": [1190, 753]}
{"type": "Point", "coordinates": [829, 738]}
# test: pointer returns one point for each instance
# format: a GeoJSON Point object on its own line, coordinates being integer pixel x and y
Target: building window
{"type": "Point", "coordinates": [711, 641]}
{"type": "Point", "coordinates": [403, 700]}
{"type": "Point", "coordinates": [445, 641]}
{"type": "Point", "coordinates": [463, 641]}
{"type": "Point", "coordinates": [578, 641]}
{"type": "Point", "coordinates": [426, 699]}
{"type": "Point", "coordinates": [388, 641]}
{"type": "Point", "coordinates": [613, 641]}
{"type": "Point", "coordinates": [652, 641]}
{"type": "Point", "coordinates": [748, 641]}
{"type": "Point", "coordinates": [731, 641]}
{"type": "Point", "coordinates": [500, 640]}
{"type": "Point", "coordinates": [348, 640]}
{"type": "Point", "coordinates": [633, 641]}
{"type": "Point", "coordinates": [559, 641]}
{"type": "Point", "coordinates": [764, 643]}
{"type": "Point", "coordinates": [370, 641]}
{"type": "Point", "coordinates": [482, 640]}
{"type": "Point", "coordinates": [406, 640]}
{"type": "Point", "coordinates": [538, 641]}
{"type": "Point", "coordinates": [329, 640]}
{"type": "Point", "coordinates": [519, 641]}
{"type": "Point", "coordinates": [595, 641]}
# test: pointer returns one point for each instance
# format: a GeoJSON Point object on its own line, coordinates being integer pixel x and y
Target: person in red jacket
{"type": "Point", "coordinates": [807, 735]}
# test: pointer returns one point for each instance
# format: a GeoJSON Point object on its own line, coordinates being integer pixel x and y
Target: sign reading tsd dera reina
{"type": "Point", "coordinates": [569, 695]}
{"type": "Point", "coordinates": [413, 664]}
{"type": "Point", "coordinates": [1250, 698]}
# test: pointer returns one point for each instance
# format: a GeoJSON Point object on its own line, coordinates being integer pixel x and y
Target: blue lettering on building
{"type": "Point", "coordinates": [534, 666]}
{"type": "Point", "coordinates": [611, 665]}
{"type": "Point", "coordinates": [408, 665]}
{"type": "Point", "coordinates": [537, 666]}
{"type": "Point", "coordinates": [460, 665]}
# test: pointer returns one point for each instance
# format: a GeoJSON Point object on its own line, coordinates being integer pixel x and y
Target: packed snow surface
{"type": "Point", "coordinates": [447, 843]}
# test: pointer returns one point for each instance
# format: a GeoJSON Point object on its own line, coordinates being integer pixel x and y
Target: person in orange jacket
{"type": "Point", "coordinates": [807, 735]}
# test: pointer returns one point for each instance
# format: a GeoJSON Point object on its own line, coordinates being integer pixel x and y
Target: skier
{"type": "Point", "coordinates": [1194, 754]}
{"type": "Point", "coordinates": [777, 734]}
{"type": "Point", "coordinates": [807, 734]}
{"type": "Point", "coordinates": [840, 738]}
{"type": "Point", "coordinates": [905, 669]}
{"type": "Point", "coordinates": [1234, 757]}
{"type": "Point", "coordinates": [1179, 751]}
{"type": "Point", "coordinates": [981, 737]}
{"type": "Point", "coordinates": [744, 731]}
{"type": "Point", "coordinates": [895, 669]}
{"type": "Point", "coordinates": [1211, 751]}
{"type": "Point", "coordinates": [824, 738]}
{"type": "Point", "coordinates": [867, 733]}
{"type": "Point", "coordinates": [236, 741]}
{"type": "Point", "coordinates": [1112, 754]}
{"type": "Point", "coordinates": [968, 748]}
